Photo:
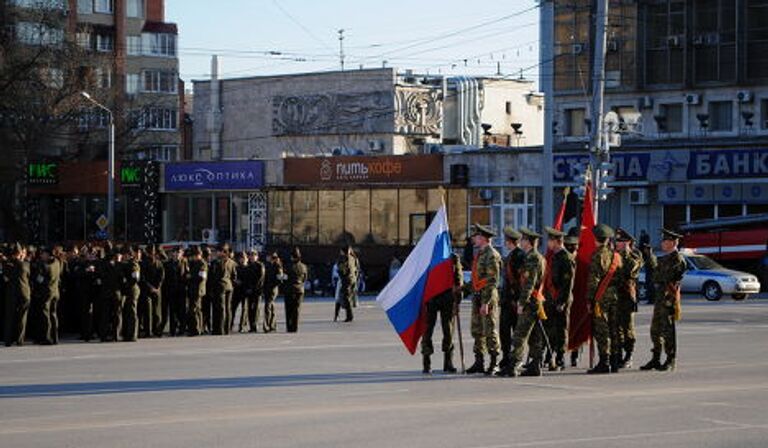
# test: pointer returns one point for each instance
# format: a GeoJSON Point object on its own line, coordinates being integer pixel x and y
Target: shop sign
{"type": "Point", "coordinates": [42, 173]}
{"type": "Point", "coordinates": [130, 176]}
{"type": "Point", "coordinates": [628, 166]}
{"type": "Point", "coordinates": [725, 164]}
{"type": "Point", "coordinates": [235, 175]}
{"type": "Point", "coordinates": [364, 170]}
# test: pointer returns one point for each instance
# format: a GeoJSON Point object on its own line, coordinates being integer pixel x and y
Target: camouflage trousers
{"type": "Point", "coordinates": [527, 333]}
{"type": "Point", "coordinates": [484, 328]}
{"type": "Point", "coordinates": [557, 326]}
{"type": "Point", "coordinates": [663, 328]}
{"type": "Point", "coordinates": [443, 305]}
{"type": "Point", "coordinates": [625, 321]}
{"type": "Point", "coordinates": [605, 330]}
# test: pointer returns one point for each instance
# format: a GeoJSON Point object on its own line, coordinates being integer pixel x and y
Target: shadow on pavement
{"type": "Point", "coordinates": [245, 382]}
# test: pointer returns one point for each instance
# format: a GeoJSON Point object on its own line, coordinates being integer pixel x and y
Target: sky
{"type": "Point", "coordinates": [269, 37]}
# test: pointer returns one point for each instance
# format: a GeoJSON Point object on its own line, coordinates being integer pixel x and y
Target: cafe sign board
{"type": "Point", "coordinates": [357, 170]}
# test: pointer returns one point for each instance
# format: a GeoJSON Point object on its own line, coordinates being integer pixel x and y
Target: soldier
{"type": "Point", "coordinates": [347, 282]}
{"type": "Point", "coordinates": [510, 294]}
{"type": "Point", "coordinates": [19, 295]}
{"type": "Point", "coordinates": [110, 280]}
{"type": "Point", "coordinates": [222, 275]}
{"type": "Point", "coordinates": [486, 270]}
{"type": "Point", "coordinates": [530, 308]}
{"type": "Point", "coordinates": [175, 292]}
{"type": "Point", "coordinates": [254, 288]}
{"type": "Point", "coordinates": [294, 291]}
{"type": "Point", "coordinates": [196, 280]}
{"type": "Point", "coordinates": [602, 287]}
{"type": "Point", "coordinates": [152, 277]}
{"type": "Point", "coordinates": [632, 262]}
{"type": "Point", "coordinates": [558, 291]}
{"type": "Point", "coordinates": [571, 244]}
{"type": "Point", "coordinates": [668, 272]}
{"type": "Point", "coordinates": [131, 292]}
{"type": "Point", "coordinates": [47, 278]}
{"type": "Point", "coordinates": [207, 301]}
{"type": "Point", "coordinates": [445, 304]}
{"type": "Point", "coordinates": [90, 291]}
{"type": "Point", "coordinates": [273, 278]}
{"type": "Point", "coordinates": [238, 295]}
{"type": "Point", "coordinates": [355, 263]}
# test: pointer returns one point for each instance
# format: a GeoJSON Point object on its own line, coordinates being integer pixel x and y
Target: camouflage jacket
{"type": "Point", "coordinates": [631, 263]}
{"type": "Point", "coordinates": [598, 269]}
{"type": "Point", "coordinates": [532, 277]}
{"type": "Point", "coordinates": [513, 266]}
{"type": "Point", "coordinates": [668, 271]}
{"type": "Point", "coordinates": [486, 274]}
{"type": "Point", "coordinates": [563, 270]}
{"type": "Point", "coordinates": [297, 275]}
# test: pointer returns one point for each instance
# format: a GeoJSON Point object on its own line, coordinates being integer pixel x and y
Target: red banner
{"type": "Point", "coordinates": [580, 329]}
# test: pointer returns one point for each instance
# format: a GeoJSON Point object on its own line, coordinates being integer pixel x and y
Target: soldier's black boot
{"type": "Point", "coordinates": [615, 363]}
{"type": "Point", "coordinates": [626, 363]}
{"type": "Point", "coordinates": [560, 362]}
{"type": "Point", "coordinates": [654, 363]}
{"type": "Point", "coordinates": [493, 367]}
{"type": "Point", "coordinates": [348, 309]}
{"type": "Point", "coordinates": [336, 312]}
{"type": "Point", "coordinates": [427, 365]}
{"type": "Point", "coordinates": [601, 367]}
{"type": "Point", "coordinates": [478, 366]}
{"type": "Point", "coordinates": [533, 369]}
{"type": "Point", "coordinates": [668, 366]}
{"type": "Point", "coordinates": [448, 366]}
{"type": "Point", "coordinates": [574, 358]}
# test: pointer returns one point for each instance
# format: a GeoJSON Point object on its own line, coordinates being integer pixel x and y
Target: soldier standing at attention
{"type": "Point", "coordinates": [348, 282]}
{"type": "Point", "coordinates": [445, 304]}
{"type": "Point", "coordinates": [253, 284]}
{"type": "Point", "coordinates": [152, 277]}
{"type": "Point", "coordinates": [294, 291]}
{"type": "Point", "coordinates": [16, 272]}
{"type": "Point", "coordinates": [196, 280]}
{"type": "Point", "coordinates": [47, 286]}
{"type": "Point", "coordinates": [175, 292]}
{"type": "Point", "coordinates": [486, 272]}
{"type": "Point", "coordinates": [668, 272]}
{"type": "Point", "coordinates": [530, 308]}
{"type": "Point", "coordinates": [110, 280]}
{"type": "Point", "coordinates": [632, 262]}
{"type": "Point", "coordinates": [223, 273]}
{"type": "Point", "coordinates": [238, 295]}
{"type": "Point", "coordinates": [571, 244]}
{"type": "Point", "coordinates": [209, 258]}
{"type": "Point", "coordinates": [559, 296]}
{"type": "Point", "coordinates": [272, 280]}
{"type": "Point", "coordinates": [510, 294]}
{"type": "Point", "coordinates": [602, 287]}
{"type": "Point", "coordinates": [90, 292]}
{"type": "Point", "coordinates": [132, 291]}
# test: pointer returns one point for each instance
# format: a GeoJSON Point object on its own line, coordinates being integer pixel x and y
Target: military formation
{"type": "Point", "coordinates": [123, 293]}
{"type": "Point", "coordinates": [521, 304]}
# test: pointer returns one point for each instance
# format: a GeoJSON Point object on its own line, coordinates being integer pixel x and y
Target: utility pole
{"type": "Point", "coordinates": [341, 49]}
{"type": "Point", "coordinates": [547, 84]}
{"type": "Point", "coordinates": [598, 139]}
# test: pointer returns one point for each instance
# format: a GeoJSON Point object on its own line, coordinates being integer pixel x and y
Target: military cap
{"type": "Point", "coordinates": [602, 231]}
{"type": "Point", "coordinates": [623, 235]}
{"type": "Point", "coordinates": [553, 233]}
{"type": "Point", "coordinates": [670, 235]}
{"type": "Point", "coordinates": [512, 234]}
{"type": "Point", "coordinates": [529, 234]}
{"type": "Point", "coordinates": [296, 253]}
{"type": "Point", "coordinates": [571, 240]}
{"type": "Point", "coordinates": [479, 229]}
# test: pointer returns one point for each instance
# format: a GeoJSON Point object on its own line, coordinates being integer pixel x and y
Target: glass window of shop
{"type": "Point", "coordinates": [357, 215]}
{"type": "Point", "coordinates": [330, 216]}
{"type": "Point", "coordinates": [178, 225]}
{"type": "Point", "coordinates": [279, 206]}
{"type": "Point", "coordinates": [384, 214]}
{"type": "Point", "coordinates": [187, 217]}
{"type": "Point", "coordinates": [305, 219]}
{"type": "Point", "coordinates": [412, 202]}
{"type": "Point", "coordinates": [74, 219]}
{"type": "Point", "coordinates": [502, 207]}
{"type": "Point", "coordinates": [457, 215]}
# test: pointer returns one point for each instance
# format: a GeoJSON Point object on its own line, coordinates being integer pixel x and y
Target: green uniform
{"type": "Point", "coordinates": [510, 295]}
{"type": "Point", "coordinates": [47, 280]}
{"type": "Point", "coordinates": [253, 286]}
{"type": "Point", "coordinates": [558, 302]}
{"type": "Point", "coordinates": [294, 294]}
{"type": "Point", "coordinates": [604, 324]}
{"type": "Point", "coordinates": [132, 292]}
{"type": "Point", "coordinates": [223, 274]}
{"type": "Point", "coordinates": [175, 295]}
{"type": "Point", "coordinates": [526, 333]}
{"type": "Point", "coordinates": [272, 281]}
{"type": "Point", "coordinates": [348, 283]}
{"type": "Point", "coordinates": [444, 305]}
{"type": "Point", "coordinates": [487, 266]}
{"type": "Point", "coordinates": [667, 273]}
{"type": "Point", "coordinates": [151, 309]}
{"type": "Point", "coordinates": [89, 289]}
{"type": "Point", "coordinates": [632, 262]}
{"type": "Point", "coordinates": [238, 297]}
{"type": "Point", "coordinates": [109, 279]}
{"type": "Point", "coordinates": [17, 300]}
{"type": "Point", "coordinates": [355, 262]}
{"type": "Point", "coordinates": [197, 276]}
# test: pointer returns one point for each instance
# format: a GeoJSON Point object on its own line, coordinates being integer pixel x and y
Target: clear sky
{"type": "Point", "coordinates": [260, 37]}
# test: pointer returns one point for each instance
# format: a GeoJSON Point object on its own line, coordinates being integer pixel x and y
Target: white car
{"type": "Point", "coordinates": [704, 275]}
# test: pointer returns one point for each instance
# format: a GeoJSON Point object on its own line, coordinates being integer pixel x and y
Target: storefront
{"type": "Point", "coordinates": [214, 202]}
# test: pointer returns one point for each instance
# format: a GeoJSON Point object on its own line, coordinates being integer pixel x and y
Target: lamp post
{"type": "Point", "coordinates": [110, 166]}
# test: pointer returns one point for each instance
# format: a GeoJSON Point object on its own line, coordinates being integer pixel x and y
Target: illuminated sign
{"type": "Point", "coordinates": [42, 173]}
{"type": "Point", "coordinates": [130, 176]}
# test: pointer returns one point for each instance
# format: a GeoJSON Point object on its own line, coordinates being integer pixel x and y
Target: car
{"type": "Point", "coordinates": [706, 276]}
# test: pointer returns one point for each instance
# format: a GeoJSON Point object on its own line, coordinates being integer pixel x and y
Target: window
{"type": "Point", "coordinates": [31, 33]}
{"type": "Point", "coordinates": [357, 216]}
{"type": "Point", "coordinates": [331, 216]}
{"type": "Point", "coordinates": [665, 42]}
{"type": "Point", "coordinates": [574, 122]}
{"type": "Point", "coordinates": [304, 217]}
{"type": "Point", "coordinates": [156, 118]}
{"type": "Point", "coordinates": [714, 40]}
{"type": "Point", "coordinates": [93, 119]}
{"type": "Point", "coordinates": [103, 78]}
{"type": "Point", "coordinates": [161, 153]}
{"type": "Point", "coordinates": [672, 118]}
{"type": "Point", "coordinates": [135, 8]}
{"type": "Point", "coordinates": [53, 77]}
{"type": "Point", "coordinates": [131, 83]}
{"type": "Point", "coordinates": [159, 81]}
{"type": "Point", "coordinates": [159, 44]}
{"type": "Point", "coordinates": [720, 116]}
{"type": "Point", "coordinates": [384, 216]}
{"type": "Point", "coordinates": [39, 4]}
{"type": "Point", "coordinates": [85, 6]}
{"type": "Point", "coordinates": [279, 215]}
{"type": "Point", "coordinates": [105, 42]}
{"type": "Point", "coordinates": [84, 40]}
{"type": "Point", "coordinates": [757, 39]}
{"type": "Point", "coordinates": [134, 45]}
{"type": "Point", "coordinates": [764, 114]}
{"type": "Point", "coordinates": [102, 6]}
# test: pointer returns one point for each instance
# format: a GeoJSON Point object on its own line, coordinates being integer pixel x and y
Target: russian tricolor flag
{"type": "Point", "coordinates": [426, 273]}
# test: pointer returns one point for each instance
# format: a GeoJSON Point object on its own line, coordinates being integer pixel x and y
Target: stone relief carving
{"type": "Point", "coordinates": [419, 111]}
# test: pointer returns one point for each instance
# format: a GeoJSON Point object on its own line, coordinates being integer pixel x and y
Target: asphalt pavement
{"type": "Point", "coordinates": [353, 384]}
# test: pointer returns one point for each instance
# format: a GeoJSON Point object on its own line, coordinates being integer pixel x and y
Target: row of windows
{"type": "Point", "coordinates": [40, 4]}
{"type": "Point", "coordinates": [148, 44]}
{"type": "Point", "coordinates": [150, 118]}
{"type": "Point", "coordinates": [33, 33]}
{"type": "Point", "coordinates": [134, 8]}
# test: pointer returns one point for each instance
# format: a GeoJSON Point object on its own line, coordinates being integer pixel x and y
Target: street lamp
{"type": "Point", "coordinates": [110, 165]}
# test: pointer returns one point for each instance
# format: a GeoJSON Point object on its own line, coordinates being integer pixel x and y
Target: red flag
{"type": "Point", "coordinates": [580, 329]}
{"type": "Point", "coordinates": [561, 213]}
{"type": "Point", "coordinates": [558, 225]}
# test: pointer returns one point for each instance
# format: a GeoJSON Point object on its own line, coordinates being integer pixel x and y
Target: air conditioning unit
{"type": "Point", "coordinates": [577, 48]}
{"type": "Point", "coordinates": [693, 99]}
{"type": "Point", "coordinates": [375, 145]}
{"type": "Point", "coordinates": [638, 196]}
{"type": "Point", "coordinates": [208, 236]}
{"type": "Point", "coordinates": [744, 96]}
{"type": "Point", "coordinates": [645, 102]}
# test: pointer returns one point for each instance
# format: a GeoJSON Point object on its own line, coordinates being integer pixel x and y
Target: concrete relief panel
{"type": "Point", "coordinates": [363, 113]}
{"type": "Point", "coordinates": [419, 111]}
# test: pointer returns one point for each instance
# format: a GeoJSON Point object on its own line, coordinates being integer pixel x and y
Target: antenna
{"type": "Point", "coordinates": [341, 49]}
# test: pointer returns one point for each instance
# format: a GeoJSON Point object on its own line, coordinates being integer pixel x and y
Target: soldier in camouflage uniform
{"type": "Point", "coordinates": [486, 273]}
{"type": "Point", "coordinates": [530, 308]}
{"type": "Point", "coordinates": [632, 262]}
{"type": "Point", "coordinates": [571, 244]}
{"type": "Point", "coordinates": [348, 282]}
{"type": "Point", "coordinates": [152, 277]}
{"type": "Point", "coordinates": [444, 304]}
{"type": "Point", "coordinates": [510, 294]}
{"type": "Point", "coordinates": [558, 291]}
{"type": "Point", "coordinates": [294, 291]}
{"type": "Point", "coordinates": [16, 273]}
{"type": "Point", "coordinates": [196, 279]}
{"type": "Point", "coordinates": [273, 278]}
{"type": "Point", "coordinates": [668, 272]}
{"type": "Point", "coordinates": [602, 287]}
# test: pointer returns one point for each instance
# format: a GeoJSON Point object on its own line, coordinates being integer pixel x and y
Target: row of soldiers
{"type": "Point", "coordinates": [521, 304]}
{"type": "Point", "coordinates": [123, 293]}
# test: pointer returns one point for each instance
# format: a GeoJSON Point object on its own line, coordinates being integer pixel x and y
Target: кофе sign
{"type": "Point", "coordinates": [364, 170]}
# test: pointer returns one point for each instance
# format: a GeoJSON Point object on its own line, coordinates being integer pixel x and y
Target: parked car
{"type": "Point", "coordinates": [707, 277]}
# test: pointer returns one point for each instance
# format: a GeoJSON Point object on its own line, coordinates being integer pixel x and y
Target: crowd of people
{"type": "Point", "coordinates": [126, 292]}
